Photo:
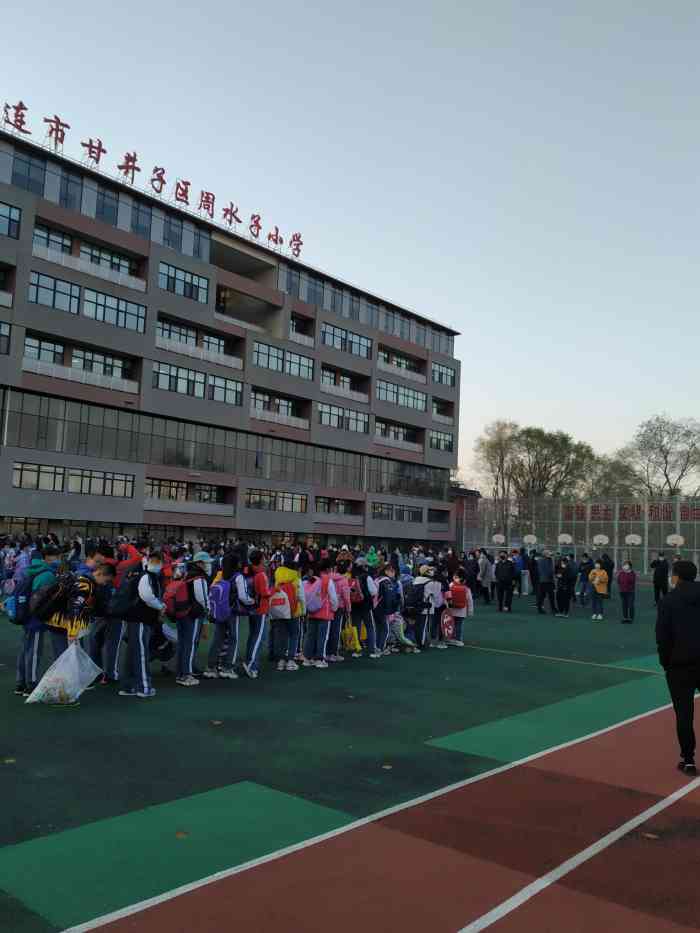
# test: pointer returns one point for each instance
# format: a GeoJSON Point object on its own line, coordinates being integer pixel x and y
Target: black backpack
{"type": "Point", "coordinates": [414, 599]}
{"type": "Point", "coordinates": [126, 596]}
{"type": "Point", "coordinates": [17, 605]}
{"type": "Point", "coordinates": [389, 596]}
{"type": "Point", "coordinates": [52, 597]}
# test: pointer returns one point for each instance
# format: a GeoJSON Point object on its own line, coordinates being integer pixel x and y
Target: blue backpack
{"type": "Point", "coordinates": [17, 605]}
{"type": "Point", "coordinates": [220, 601]}
{"type": "Point", "coordinates": [390, 596]}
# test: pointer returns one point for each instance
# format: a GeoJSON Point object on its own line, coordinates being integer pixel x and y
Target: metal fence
{"type": "Point", "coordinates": [636, 529]}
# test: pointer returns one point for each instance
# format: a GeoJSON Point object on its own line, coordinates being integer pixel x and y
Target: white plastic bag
{"type": "Point", "coordinates": [67, 677]}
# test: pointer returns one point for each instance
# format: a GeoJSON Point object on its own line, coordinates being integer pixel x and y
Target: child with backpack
{"type": "Point", "coordinates": [223, 611]}
{"type": "Point", "coordinates": [139, 599]}
{"type": "Point", "coordinates": [363, 591]}
{"type": "Point", "coordinates": [187, 603]}
{"type": "Point", "coordinates": [41, 572]}
{"type": "Point", "coordinates": [321, 606]}
{"type": "Point", "coordinates": [287, 609]}
{"type": "Point", "coordinates": [461, 604]}
{"type": "Point", "coordinates": [342, 588]}
{"type": "Point", "coordinates": [417, 606]}
{"type": "Point", "coordinates": [389, 602]}
{"type": "Point", "coordinates": [258, 612]}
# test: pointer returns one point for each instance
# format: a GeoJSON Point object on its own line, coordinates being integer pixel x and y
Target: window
{"type": "Point", "coordinates": [96, 483]}
{"type": "Point", "coordinates": [29, 172]}
{"type": "Point", "coordinates": [300, 366]}
{"type": "Point", "coordinates": [396, 513]}
{"type": "Point", "coordinates": [213, 344]}
{"type": "Point", "coordinates": [293, 282]}
{"type": "Point", "coordinates": [107, 208]}
{"type": "Point", "coordinates": [178, 379]}
{"type": "Point", "coordinates": [390, 358]}
{"type": "Point", "coordinates": [401, 395]}
{"type": "Point", "coordinates": [444, 375]}
{"type": "Point", "coordinates": [186, 284]}
{"type": "Point", "coordinates": [270, 501]}
{"type": "Point", "coordinates": [5, 331]}
{"type": "Point", "coordinates": [268, 357]}
{"type": "Point", "coordinates": [338, 506]}
{"type": "Point", "coordinates": [438, 517]}
{"type": "Point", "coordinates": [48, 351]}
{"type": "Point", "coordinates": [336, 300]}
{"type": "Point", "coordinates": [279, 404]}
{"type": "Point", "coordinates": [37, 476]}
{"type": "Point", "coordinates": [203, 492]}
{"type": "Point", "coordinates": [52, 239]}
{"type": "Point", "coordinates": [177, 332]}
{"type": "Point", "coordinates": [10, 219]}
{"type": "Point", "coordinates": [332, 416]}
{"type": "Point", "coordinates": [54, 293]}
{"type": "Point", "coordinates": [141, 218]}
{"type": "Point", "coordinates": [201, 244]}
{"type": "Point", "coordinates": [178, 491]}
{"type": "Point", "coordinates": [354, 307]}
{"type": "Point", "coordinates": [314, 295]}
{"type": "Point", "coordinates": [399, 432]}
{"type": "Point", "coordinates": [441, 440]}
{"type": "Point", "coordinates": [172, 233]}
{"type": "Point", "coordinates": [345, 340]}
{"type": "Point", "coordinates": [225, 390]}
{"type": "Point", "coordinates": [71, 194]}
{"type": "Point", "coordinates": [108, 259]}
{"type": "Point", "coordinates": [100, 363]}
{"type": "Point", "coordinates": [115, 311]}
{"type": "Point", "coordinates": [442, 409]}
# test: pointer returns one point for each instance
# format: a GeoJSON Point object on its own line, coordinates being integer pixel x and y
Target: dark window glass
{"type": "Point", "coordinates": [48, 351]}
{"type": "Point", "coordinates": [107, 209]}
{"type": "Point", "coordinates": [444, 375]}
{"type": "Point", "coordinates": [29, 172]}
{"type": "Point", "coordinates": [180, 333]}
{"type": "Point", "coordinates": [52, 239]}
{"type": "Point", "coordinates": [71, 194]}
{"type": "Point", "coordinates": [293, 282]}
{"type": "Point", "coordinates": [5, 331]}
{"type": "Point", "coordinates": [172, 233]}
{"type": "Point", "coordinates": [438, 517]}
{"type": "Point", "coordinates": [10, 219]}
{"type": "Point", "coordinates": [53, 293]}
{"type": "Point", "coordinates": [185, 284]}
{"type": "Point", "coordinates": [201, 247]}
{"type": "Point", "coordinates": [141, 218]}
{"type": "Point", "coordinates": [440, 440]}
{"type": "Point", "coordinates": [115, 311]}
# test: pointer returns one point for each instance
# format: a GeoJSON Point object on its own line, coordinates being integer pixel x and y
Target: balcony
{"type": "Point", "coordinates": [443, 419]}
{"type": "Point", "coordinates": [54, 371]}
{"type": "Point", "coordinates": [88, 268]}
{"type": "Point", "coordinates": [186, 507]}
{"type": "Point", "coordinates": [303, 339]}
{"type": "Point", "coordinates": [5, 299]}
{"type": "Point", "coordinates": [198, 353]}
{"type": "Point", "coordinates": [229, 319]}
{"type": "Point", "coordinates": [341, 392]}
{"type": "Point", "coordinates": [338, 518]}
{"type": "Point", "coordinates": [275, 417]}
{"type": "Point", "coordinates": [398, 444]}
{"type": "Point", "coordinates": [401, 372]}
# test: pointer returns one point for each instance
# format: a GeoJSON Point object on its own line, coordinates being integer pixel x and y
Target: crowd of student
{"type": "Point", "coordinates": [303, 605]}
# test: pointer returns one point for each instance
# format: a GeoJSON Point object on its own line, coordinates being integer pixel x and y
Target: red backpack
{"type": "Point", "coordinates": [356, 593]}
{"type": "Point", "coordinates": [459, 596]}
{"type": "Point", "coordinates": [178, 600]}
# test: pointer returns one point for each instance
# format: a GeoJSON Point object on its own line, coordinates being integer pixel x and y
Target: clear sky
{"type": "Point", "coordinates": [524, 172]}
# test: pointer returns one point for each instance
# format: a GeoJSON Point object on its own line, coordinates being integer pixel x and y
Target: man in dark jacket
{"type": "Point", "coordinates": [660, 568]}
{"type": "Point", "coordinates": [505, 578]}
{"type": "Point", "coordinates": [678, 641]}
{"type": "Point", "coordinates": [545, 583]}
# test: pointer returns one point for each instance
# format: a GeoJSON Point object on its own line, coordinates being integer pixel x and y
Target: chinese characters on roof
{"type": "Point", "coordinates": [15, 118]}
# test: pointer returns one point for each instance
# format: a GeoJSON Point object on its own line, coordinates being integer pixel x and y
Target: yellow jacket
{"type": "Point", "coordinates": [287, 575]}
{"type": "Point", "coordinates": [599, 579]}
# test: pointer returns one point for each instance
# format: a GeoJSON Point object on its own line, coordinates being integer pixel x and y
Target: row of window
{"type": "Point", "coordinates": [281, 405]}
{"type": "Point", "coordinates": [183, 492]}
{"type": "Point", "coordinates": [345, 340]}
{"type": "Point", "coordinates": [282, 361]}
{"type": "Point", "coordinates": [270, 501]}
{"type": "Point", "coordinates": [401, 395]}
{"type": "Point", "coordinates": [441, 440]}
{"type": "Point", "coordinates": [180, 333]}
{"type": "Point", "coordinates": [397, 432]}
{"type": "Point", "coordinates": [331, 506]}
{"type": "Point", "coordinates": [183, 283]}
{"type": "Point", "coordinates": [65, 296]}
{"type": "Point", "coordinates": [45, 478]}
{"type": "Point", "coordinates": [391, 358]}
{"type": "Point", "coordinates": [10, 220]}
{"type": "Point", "coordinates": [197, 384]}
{"type": "Point", "coordinates": [386, 512]}
{"type": "Point", "coordinates": [343, 419]}
{"type": "Point", "coordinates": [42, 422]}
{"type": "Point", "coordinates": [93, 361]}
{"type": "Point", "coordinates": [5, 332]}
{"type": "Point", "coordinates": [29, 172]}
{"type": "Point", "coordinates": [444, 375]}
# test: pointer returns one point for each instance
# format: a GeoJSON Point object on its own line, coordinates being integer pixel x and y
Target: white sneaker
{"type": "Point", "coordinates": [357, 654]}
{"type": "Point", "coordinates": [146, 694]}
{"type": "Point", "coordinates": [281, 665]}
{"type": "Point", "coordinates": [432, 645]}
{"type": "Point", "coordinates": [187, 681]}
{"type": "Point", "coordinates": [339, 659]}
{"type": "Point", "coordinates": [454, 642]}
{"type": "Point", "coordinates": [321, 664]}
{"type": "Point", "coordinates": [307, 663]}
{"type": "Point", "coordinates": [249, 671]}
{"type": "Point", "coordinates": [210, 674]}
{"type": "Point", "coordinates": [375, 655]}
{"type": "Point", "coordinates": [441, 646]}
{"type": "Point", "coordinates": [386, 652]}
{"type": "Point", "coordinates": [228, 673]}
{"type": "Point", "coordinates": [292, 666]}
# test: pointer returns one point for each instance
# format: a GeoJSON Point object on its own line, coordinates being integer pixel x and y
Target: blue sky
{"type": "Point", "coordinates": [524, 172]}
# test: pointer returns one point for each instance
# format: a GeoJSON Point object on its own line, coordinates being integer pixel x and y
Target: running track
{"type": "Point", "coordinates": [600, 834]}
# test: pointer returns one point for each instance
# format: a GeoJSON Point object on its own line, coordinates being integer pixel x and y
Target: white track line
{"type": "Point", "coordinates": [547, 657]}
{"type": "Point", "coordinates": [528, 892]}
{"type": "Point", "coordinates": [356, 824]}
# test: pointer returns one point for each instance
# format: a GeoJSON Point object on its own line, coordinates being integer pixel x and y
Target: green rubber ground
{"type": "Point", "coordinates": [198, 780]}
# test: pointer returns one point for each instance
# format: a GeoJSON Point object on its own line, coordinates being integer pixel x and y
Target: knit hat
{"type": "Point", "coordinates": [201, 557]}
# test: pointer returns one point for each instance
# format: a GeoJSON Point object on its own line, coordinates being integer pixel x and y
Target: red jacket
{"type": "Point", "coordinates": [626, 580]}
{"type": "Point", "coordinates": [262, 592]}
{"type": "Point", "coordinates": [132, 560]}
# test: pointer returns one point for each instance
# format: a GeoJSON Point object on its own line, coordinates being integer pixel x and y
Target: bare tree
{"type": "Point", "coordinates": [665, 454]}
{"type": "Point", "coordinates": [611, 477]}
{"type": "Point", "coordinates": [496, 456]}
{"type": "Point", "coordinates": [549, 463]}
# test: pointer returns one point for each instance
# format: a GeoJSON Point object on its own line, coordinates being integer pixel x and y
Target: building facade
{"type": "Point", "coordinates": [160, 375]}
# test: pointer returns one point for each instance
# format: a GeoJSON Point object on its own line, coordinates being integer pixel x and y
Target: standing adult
{"type": "Point", "coordinates": [678, 642]}
{"type": "Point", "coordinates": [545, 583]}
{"type": "Point", "coordinates": [505, 579]}
{"type": "Point", "coordinates": [486, 575]}
{"type": "Point", "coordinates": [627, 585]}
{"type": "Point", "coordinates": [660, 579]}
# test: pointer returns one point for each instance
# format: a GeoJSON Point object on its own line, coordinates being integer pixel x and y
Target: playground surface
{"type": "Point", "coordinates": [526, 783]}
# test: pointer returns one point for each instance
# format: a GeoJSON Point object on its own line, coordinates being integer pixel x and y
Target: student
{"type": "Point", "coordinates": [189, 627]}
{"type": "Point", "coordinates": [285, 632]}
{"type": "Point", "coordinates": [223, 607]}
{"type": "Point", "coordinates": [660, 579]}
{"type": "Point", "coordinates": [75, 610]}
{"type": "Point", "coordinates": [340, 577]}
{"type": "Point", "coordinates": [433, 593]}
{"type": "Point", "coordinates": [505, 580]}
{"type": "Point", "coordinates": [627, 584]}
{"type": "Point", "coordinates": [257, 614]}
{"type": "Point", "coordinates": [40, 572]}
{"type": "Point", "coordinates": [417, 604]}
{"type": "Point", "coordinates": [461, 605]}
{"type": "Point", "coordinates": [545, 583]}
{"type": "Point", "coordinates": [389, 603]}
{"type": "Point", "coordinates": [584, 573]}
{"type": "Point", "coordinates": [143, 612]}
{"type": "Point", "coordinates": [598, 579]}
{"type": "Point", "coordinates": [486, 575]}
{"type": "Point", "coordinates": [363, 590]}
{"type": "Point", "coordinates": [566, 580]}
{"type": "Point", "coordinates": [321, 604]}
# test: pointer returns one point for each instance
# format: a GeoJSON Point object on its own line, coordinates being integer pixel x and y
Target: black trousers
{"type": "Point", "coordinates": [564, 600]}
{"type": "Point", "coordinates": [505, 595]}
{"type": "Point", "coordinates": [660, 589]}
{"type": "Point", "coordinates": [546, 590]}
{"type": "Point", "coordinates": [682, 683]}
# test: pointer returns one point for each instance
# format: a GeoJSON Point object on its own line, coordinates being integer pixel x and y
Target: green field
{"type": "Point", "coordinates": [120, 799]}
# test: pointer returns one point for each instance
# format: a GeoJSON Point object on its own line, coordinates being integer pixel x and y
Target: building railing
{"type": "Point", "coordinates": [5, 299]}
{"type": "Point", "coordinates": [342, 392]}
{"type": "Point", "coordinates": [303, 339]}
{"type": "Point", "coordinates": [399, 444]}
{"type": "Point", "coordinates": [400, 371]}
{"type": "Point", "coordinates": [188, 507]}
{"type": "Point", "coordinates": [338, 518]}
{"type": "Point", "coordinates": [229, 319]}
{"type": "Point", "coordinates": [443, 419]}
{"type": "Point", "coordinates": [84, 376]}
{"type": "Point", "coordinates": [198, 353]}
{"type": "Point", "coordinates": [275, 417]}
{"type": "Point", "coordinates": [78, 264]}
